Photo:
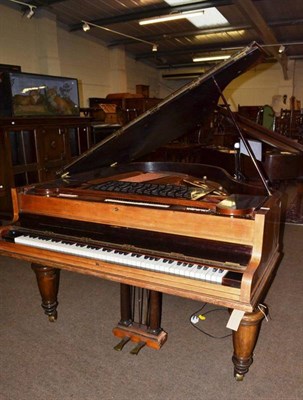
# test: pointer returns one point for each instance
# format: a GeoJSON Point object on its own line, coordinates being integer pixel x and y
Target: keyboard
{"type": "Point", "coordinates": [132, 259]}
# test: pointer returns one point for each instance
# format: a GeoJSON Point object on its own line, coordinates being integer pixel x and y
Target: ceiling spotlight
{"type": "Point", "coordinates": [155, 47]}
{"type": "Point", "coordinates": [281, 49]}
{"type": "Point", "coordinates": [30, 13]}
{"type": "Point", "coordinates": [85, 27]}
{"type": "Point", "coordinates": [31, 7]}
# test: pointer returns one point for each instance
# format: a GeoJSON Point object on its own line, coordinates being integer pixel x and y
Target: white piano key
{"type": "Point", "coordinates": [192, 271]}
{"type": "Point", "coordinates": [209, 274]}
{"type": "Point", "coordinates": [220, 275]}
{"type": "Point", "coordinates": [202, 271]}
{"type": "Point", "coordinates": [173, 267]}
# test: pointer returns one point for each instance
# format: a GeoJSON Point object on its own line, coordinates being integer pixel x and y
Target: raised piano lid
{"type": "Point", "coordinates": [175, 116]}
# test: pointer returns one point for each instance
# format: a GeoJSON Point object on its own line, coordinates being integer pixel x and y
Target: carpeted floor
{"type": "Point", "coordinates": [293, 215]}
{"type": "Point", "coordinates": [73, 358]}
{"type": "Point", "coordinates": [292, 204]}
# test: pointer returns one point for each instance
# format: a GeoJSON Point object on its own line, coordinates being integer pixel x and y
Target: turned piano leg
{"type": "Point", "coordinates": [244, 341]}
{"type": "Point", "coordinates": [48, 284]}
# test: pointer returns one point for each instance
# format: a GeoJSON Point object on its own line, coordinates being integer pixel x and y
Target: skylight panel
{"type": "Point", "coordinates": [209, 18]}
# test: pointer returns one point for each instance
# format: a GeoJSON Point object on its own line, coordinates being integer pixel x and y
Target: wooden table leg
{"type": "Point", "coordinates": [48, 284]}
{"type": "Point", "coordinates": [244, 341]}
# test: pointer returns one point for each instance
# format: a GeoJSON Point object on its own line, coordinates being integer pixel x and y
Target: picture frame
{"type": "Point", "coordinates": [26, 94]}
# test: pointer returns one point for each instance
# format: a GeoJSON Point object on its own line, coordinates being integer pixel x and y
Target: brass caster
{"type": "Point", "coordinates": [239, 377]}
{"type": "Point", "coordinates": [52, 318]}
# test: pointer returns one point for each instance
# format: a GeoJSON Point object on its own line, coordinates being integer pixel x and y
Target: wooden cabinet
{"type": "Point", "coordinates": [139, 106]}
{"type": "Point", "coordinates": [130, 107]}
{"type": "Point", "coordinates": [33, 149]}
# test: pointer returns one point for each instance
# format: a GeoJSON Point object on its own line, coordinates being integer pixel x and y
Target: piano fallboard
{"type": "Point", "coordinates": [183, 247]}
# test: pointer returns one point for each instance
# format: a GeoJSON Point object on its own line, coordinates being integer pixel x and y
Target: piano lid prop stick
{"type": "Point", "coordinates": [246, 144]}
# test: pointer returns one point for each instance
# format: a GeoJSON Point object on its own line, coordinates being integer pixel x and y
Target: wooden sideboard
{"type": "Point", "coordinates": [33, 149]}
{"type": "Point", "coordinates": [128, 107]}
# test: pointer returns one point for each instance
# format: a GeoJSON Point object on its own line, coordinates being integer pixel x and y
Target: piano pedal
{"type": "Point", "coordinates": [140, 335]}
{"type": "Point", "coordinates": [122, 343]}
{"type": "Point", "coordinates": [135, 350]}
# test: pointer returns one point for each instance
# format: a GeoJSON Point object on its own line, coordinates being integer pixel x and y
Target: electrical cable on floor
{"type": "Point", "coordinates": [197, 316]}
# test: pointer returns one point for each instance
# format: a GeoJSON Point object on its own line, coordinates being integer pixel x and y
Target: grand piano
{"type": "Point", "coordinates": [189, 230]}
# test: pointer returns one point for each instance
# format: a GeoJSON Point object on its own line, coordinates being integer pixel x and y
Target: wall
{"type": "Point", "coordinates": [41, 45]}
{"type": "Point", "coordinates": [298, 80]}
{"type": "Point", "coordinates": [88, 61]}
{"type": "Point", "coordinates": [18, 40]}
{"type": "Point", "coordinates": [141, 74]}
{"type": "Point", "coordinates": [264, 84]}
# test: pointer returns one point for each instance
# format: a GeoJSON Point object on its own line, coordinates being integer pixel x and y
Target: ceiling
{"type": "Point", "coordinates": [268, 22]}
